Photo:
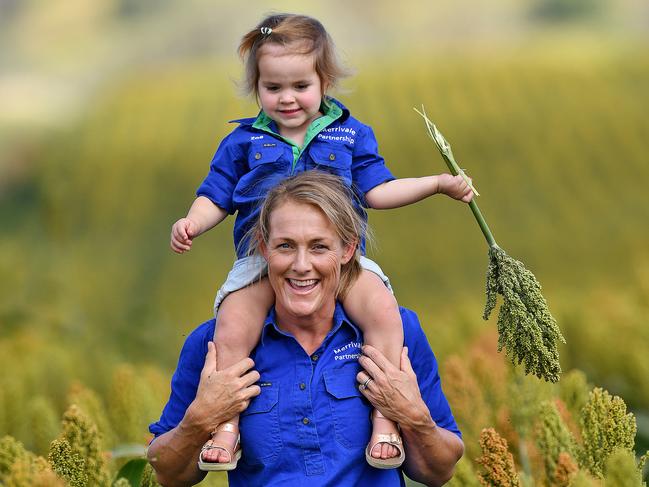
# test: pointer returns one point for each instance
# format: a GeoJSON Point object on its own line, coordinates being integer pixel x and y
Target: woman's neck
{"type": "Point", "coordinates": [309, 331]}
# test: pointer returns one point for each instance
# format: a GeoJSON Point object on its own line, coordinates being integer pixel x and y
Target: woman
{"type": "Point", "coordinates": [305, 410]}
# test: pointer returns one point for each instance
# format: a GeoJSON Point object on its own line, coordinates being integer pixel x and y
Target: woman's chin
{"type": "Point", "coordinates": [305, 305]}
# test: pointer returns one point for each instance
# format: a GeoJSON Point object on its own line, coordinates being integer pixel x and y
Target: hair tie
{"type": "Point", "coordinates": [266, 31]}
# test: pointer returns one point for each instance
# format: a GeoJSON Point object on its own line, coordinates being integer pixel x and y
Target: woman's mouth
{"type": "Point", "coordinates": [302, 285]}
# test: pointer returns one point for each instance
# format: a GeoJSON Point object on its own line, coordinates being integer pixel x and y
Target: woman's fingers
{"type": "Point", "coordinates": [210, 360]}
{"type": "Point", "coordinates": [250, 378]}
{"type": "Point", "coordinates": [406, 365]}
{"type": "Point", "coordinates": [376, 357]}
{"type": "Point", "coordinates": [250, 392]}
{"type": "Point", "coordinates": [240, 367]}
{"type": "Point", "coordinates": [364, 380]}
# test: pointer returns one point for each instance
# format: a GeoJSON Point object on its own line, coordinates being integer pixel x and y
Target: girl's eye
{"type": "Point", "coordinates": [302, 86]}
{"type": "Point", "coordinates": [272, 89]}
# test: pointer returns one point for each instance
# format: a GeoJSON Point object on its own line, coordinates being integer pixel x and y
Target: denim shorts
{"type": "Point", "coordinates": [250, 269]}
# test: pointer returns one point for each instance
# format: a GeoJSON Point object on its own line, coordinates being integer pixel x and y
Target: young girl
{"type": "Point", "coordinates": [290, 67]}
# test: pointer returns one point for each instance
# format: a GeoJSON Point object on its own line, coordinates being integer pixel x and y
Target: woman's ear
{"type": "Point", "coordinates": [349, 251]}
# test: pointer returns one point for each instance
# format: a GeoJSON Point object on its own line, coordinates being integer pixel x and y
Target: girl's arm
{"type": "Point", "coordinates": [403, 192]}
{"type": "Point", "coordinates": [202, 216]}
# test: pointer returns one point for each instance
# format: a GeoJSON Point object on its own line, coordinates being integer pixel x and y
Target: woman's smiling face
{"type": "Point", "coordinates": [304, 255]}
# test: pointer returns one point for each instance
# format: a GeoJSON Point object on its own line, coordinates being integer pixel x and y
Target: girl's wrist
{"type": "Point", "coordinates": [438, 186]}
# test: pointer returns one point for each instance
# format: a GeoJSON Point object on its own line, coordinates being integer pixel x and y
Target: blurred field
{"type": "Point", "coordinates": [555, 139]}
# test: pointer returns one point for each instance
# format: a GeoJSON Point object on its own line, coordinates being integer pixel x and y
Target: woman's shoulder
{"type": "Point", "coordinates": [410, 320]}
{"type": "Point", "coordinates": [414, 335]}
{"type": "Point", "coordinates": [196, 341]}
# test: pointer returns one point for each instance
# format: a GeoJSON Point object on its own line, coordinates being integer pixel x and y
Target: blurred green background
{"type": "Point", "coordinates": [110, 112]}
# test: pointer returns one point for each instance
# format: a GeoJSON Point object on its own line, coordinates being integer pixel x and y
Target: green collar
{"type": "Point", "coordinates": [332, 112]}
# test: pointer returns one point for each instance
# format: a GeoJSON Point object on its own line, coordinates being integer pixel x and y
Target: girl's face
{"type": "Point", "coordinates": [290, 90]}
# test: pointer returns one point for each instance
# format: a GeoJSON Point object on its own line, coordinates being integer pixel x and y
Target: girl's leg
{"type": "Point", "coordinates": [239, 323]}
{"type": "Point", "coordinates": [371, 305]}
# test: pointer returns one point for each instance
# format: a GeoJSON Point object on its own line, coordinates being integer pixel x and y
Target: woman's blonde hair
{"type": "Point", "coordinates": [304, 34]}
{"type": "Point", "coordinates": [329, 194]}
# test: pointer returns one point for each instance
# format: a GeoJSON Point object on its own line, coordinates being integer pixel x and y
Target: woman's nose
{"type": "Point", "coordinates": [301, 262]}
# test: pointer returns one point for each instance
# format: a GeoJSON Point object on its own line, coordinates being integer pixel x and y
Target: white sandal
{"type": "Point", "coordinates": [393, 439]}
{"type": "Point", "coordinates": [234, 456]}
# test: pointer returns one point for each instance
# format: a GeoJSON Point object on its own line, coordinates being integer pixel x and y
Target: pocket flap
{"type": "Point", "coordinates": [342, 385]}
{"type": "Point", "coordinates": [264, 154]}
{"type": "Point", "coordinates": [326, 156]}
{"type": "Point", "coordinates": [264, 402]}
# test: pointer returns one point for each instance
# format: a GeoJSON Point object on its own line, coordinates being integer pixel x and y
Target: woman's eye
{"type": "Point", "coordinates": [283, 246]}
{"type": "Point", "coordinates": [319, 248]}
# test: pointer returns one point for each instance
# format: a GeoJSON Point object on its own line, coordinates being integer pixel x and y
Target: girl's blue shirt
{"type": "Point", "coordinates": [254, 157]}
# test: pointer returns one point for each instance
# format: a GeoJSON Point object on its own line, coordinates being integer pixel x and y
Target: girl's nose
{"type": "Point", "coordinates": [286, 97]}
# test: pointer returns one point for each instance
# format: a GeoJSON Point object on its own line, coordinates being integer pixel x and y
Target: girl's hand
{"type": "Point", "coordinates": [455, 187]}
{"type": "Point", "coordinates": [182, 234]}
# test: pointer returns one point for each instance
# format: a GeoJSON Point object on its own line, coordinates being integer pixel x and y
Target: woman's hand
{"type": "Point", "coordinates": [221, 395]}
{"type": "Point", "coordinates": [394, 392]}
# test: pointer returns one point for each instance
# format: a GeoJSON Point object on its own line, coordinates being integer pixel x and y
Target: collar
{"type": "Point", "coordinates": [331, 108]}
{"type": "Point", "coordinates": [340, 319]}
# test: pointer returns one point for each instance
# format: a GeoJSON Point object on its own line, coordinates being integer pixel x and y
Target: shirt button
{"type": "Point", "coordinates": [302, 386]}
{"type": "Point", "coordinates": [332, 157]}
{"type": "Point", "coordinates": [258, 155]}
{"type": "Point", "coordinates": [315, 357]}
{"type": "Point", "coordinates": [305, 420]}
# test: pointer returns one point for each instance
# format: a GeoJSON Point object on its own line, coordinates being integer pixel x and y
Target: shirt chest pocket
{"type": "Point", "coordinates": [259, 424]}
{"type": "Point", "coordinates": [335, 161]}
{"type": "Point", "coordinates": [262, 155]}
{"type": "Point", "coordinates": [349, 409]}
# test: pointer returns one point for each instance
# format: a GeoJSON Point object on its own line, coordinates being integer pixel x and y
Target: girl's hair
{"type": "Point", "coordinates": [304, 35]}
{"type": "Point", "coordinates": [327, 193]}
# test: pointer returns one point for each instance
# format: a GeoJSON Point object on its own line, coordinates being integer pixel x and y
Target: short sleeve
{"type": "Point", "coordinates": [368, 167]}
{"type": "Point", "coordinates": [425, 366]}
{"type": "Point", "coordinates": [226, 169]}
{"type": "Point", "coordinates": [184, 382]}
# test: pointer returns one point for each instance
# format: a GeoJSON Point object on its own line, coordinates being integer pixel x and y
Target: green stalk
{"type": "Point", "coordinates": [445, 149]}
{"type": "Point", "coordinates": [526, 328]}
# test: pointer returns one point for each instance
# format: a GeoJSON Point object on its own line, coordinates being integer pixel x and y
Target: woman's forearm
{"type": "Point", "coordinates": [431, 451]}
{"type": "Point", "coordinates": [174, 455]}
{"type": "Point", "coordinates": [402, 192]}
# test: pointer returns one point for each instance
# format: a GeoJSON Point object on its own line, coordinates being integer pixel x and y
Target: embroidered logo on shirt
{"type": "Point", "coordinates": [347, 352]}
{"type": "Point", "coordinates": [346, 134]}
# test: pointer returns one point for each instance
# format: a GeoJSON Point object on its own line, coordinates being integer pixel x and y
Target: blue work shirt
{"type": "Point", "coordinates": [253, 158]}
{"type": "Point", "coordinates": [310, 424]}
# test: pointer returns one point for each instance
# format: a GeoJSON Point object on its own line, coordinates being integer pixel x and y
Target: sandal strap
{"type": "Point", "coordinates": [228, 427]}
{"type": "Point", "coordinates": [392, 439]}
